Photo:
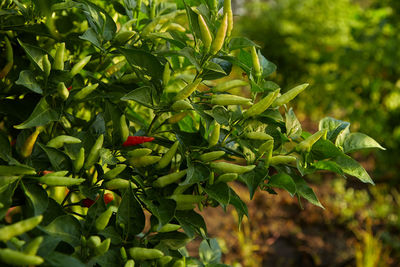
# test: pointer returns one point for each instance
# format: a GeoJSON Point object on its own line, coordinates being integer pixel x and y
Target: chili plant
{"type": "Point", "coordinates": [112, 110]}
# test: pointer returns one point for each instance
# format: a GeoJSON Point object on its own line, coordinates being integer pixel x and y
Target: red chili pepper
{"type": "Point", "coordinates": [108, 198]}
{"type": "Point", "coordinates": [137, 140]}
{"type": "Point", "coordinates": [42, 173]}
{"type": "Point", "coordinates": [87, 202]}
{"type": "Point", "coordinates": [69, 88]}
{"type": "Point", "coordinates": [13, 142]}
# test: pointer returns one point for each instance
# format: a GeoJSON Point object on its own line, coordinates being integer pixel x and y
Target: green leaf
{"type": "Point", "coordinates": [191, 222]}
{"type": "Point", "coordinates": [91, 36]}
{"type": "Point", "coordinates": [27, 79]}
{"type": "Point", "coordinates": [353, 168]}
{"type": "Point", "coordinates": [63, 260]}
{"type": "Point", "coordinates": [111, 258]}
{"type": "Point", "coordinates": [328, 165]}
{"type": "Point", "coordinates": [284, 181]}
{"type": "Point", "coordinates": [193, 21]}
{"type": "Point", "coordinates": [144, 62]}
{"type": "Point", "coordinates": [164, 211]}
{"type": "Point", "coordinates": [358, 141]}
{"type": "Point", "coordinates": [196, 173]}
{"type": "Point", "coordinates": [37, 198]}
{"type": "Point", "coordinates": [303, 190]}
{"type": "Point", "coordinates": [130, 215]}
{"type": "Point", "coordinates": [8, 184]}
{"type": "Point", "coordinates": [209, 251]}
{"type": "Point", "coordinates": [293, 126]}
{"type": "Point", "coordinates": [254, 178]}
{"type": "Point", "coordinates": [333, 126]}
{"type": "Point", "coordinates": [240, 42]}
{"type": "Point", "coordinates": [171, 240]}
{"type": "Point", "coordinates": [35, 54]}
{"type": "Point", "coordinates": [324, 149]}
{"type": "Point", "coordinates": [219, 192]}
{"type": "Point", "coordinates": [41, 115]}
{"type": "Point", "coordinates": [65, 227]}
{"type": "Point", "coordinates": [58, 159]}
{"type": "Point", "coordinates": [267, 66]}
{"type": "Point", "coordinates": [221, 115]}
{"type": "Point", "coordinates": [5, 147]}
{"type": "Point", "coordinates": [142, 95]}
{"type": "Point", "coordinates": [240, 206]}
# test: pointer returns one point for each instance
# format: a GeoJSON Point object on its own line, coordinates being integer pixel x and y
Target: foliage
{"type": "Point", "coordinates": [120, 99]}
{"type": "Point", "coordinates": [346, 50]}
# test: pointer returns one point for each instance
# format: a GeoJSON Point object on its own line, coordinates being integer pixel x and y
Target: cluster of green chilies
{"type": "Point", "coordinates": [134, 151]}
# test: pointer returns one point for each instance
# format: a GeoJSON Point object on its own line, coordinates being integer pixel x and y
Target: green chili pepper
{"type": "Point", "coordinates": [275, 160]}
{"type": "Point", "coordinates": [85, 91]}
{"type": "Point", "coordinates": [169, 178]}
{"type": "Point", "coordinates": [60, 140]}
{"type": "Point", "coordinates": [182, 199]}
{"type": "Point", "coordinates": [188, 90]}
{"type": "Point", "coordinates": [9, 57]}
{"type": "Point", "coordinates": [80, 65]}
{"type": "Point", "coordinates": [181, 105]}
{"type": "Point", "coordinates": [94, 153]}
{"type": "Point", "coordinates": [124, 129]}
{"type": "Point", "coordinates": [267, 149]}
{"type": "Point", "coordinates": [169, 227]}
{"type": "Point", "coordinates": [122, 251]}
{"type": "Point", "coordinates": [94, 241]}
{"type": "Point", "coordinates": [258, 136]}
{"type": "Point", "coordinates": [29, 143]}
{"type": "Point", "coordinates": [289, 95]}
{"type": "Point", "coordinates": [225, 167]}
{"type": "Point", "coordinates": [103, 219]}
{"type": "Point", "coordinates": [219, 40]}
{"type": "Point", "coordinates": [54, 180]}
{"type": "Point", "coordinates": [261, 105]}
{"type": "Point", "coordinates": [32, 247]}
{"type": "Point", "coordinates": [227, 177]}
{"type": "Point", "coordinates": [140, 152]}
{"type": "Point", "coordinates": [13, 257]}
{"type": "Point", "coordinates": [15, 170]}
{"type": "Point", "coordinates": [305, 146]}
{"type": "Point", "coordinates": [228, 11]}
{"type": "Point", "coordinates": [225, 86]}
{"type": "Point", "coordinates": [177, 117]}
{"type": "Point", "coordinates": [211, 178]}
{"type": "Point", "coordinates": [58, 63]}
{"type": "Point", "coordinates": [206, 37]}
{"type": "Point", "coordinates": [123, 36]}
{"type": "Point", "coordinates": [211, 156]}
{"type": "Point", "coordinates": [166, 74]}
{"type": "Point", "coordinates": [62, 91]}
{"type": "Point", "coordinates": [79, 160]}
{"type": "Point", "coordinates": [46, 65]}
{"type": "Point", "coordinates": [130, 263]}
{"type": "Point", "coordinates": [9, 231]}
{"type": "Point", "coordinates": [163, 261]}
{"type": "Point", "coordinates": [143, 161]}
{"type": "Point", "coordinates": [103, 247]}
{"type": "Point", "coordinates": [114, 172]}
{"type": "Point", "coordinates": [225, 99]}
{"type": "Point", "coordinates": [118, 183]}
{"type": "Point", "coordinates": [179, 263]}
{"type": "Point", "coordinates": [168, 156]}
{"type": "Point", "coordinates": [138, 253]}
{"type": "Point", "coordinates": [256, 62]}
{"type": "Point", "coordinates": [176, 27]}
{"type": "Point", "coordinates": [214, 136]}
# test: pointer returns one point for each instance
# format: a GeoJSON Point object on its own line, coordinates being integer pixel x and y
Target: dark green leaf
{"type": "Point", "coordinates": [27, 79]}
{"type": "Point", "coordinates": [58, 159]}
{"type": "Point", "coordinates": [196, 173]}
{"type": "Point", "coordinates": [35, 54]}
{"type": "Point", "coordinates": [191, 222]}
{"type": "Point", "coordinates": [240, 42]}
{"type": "Point", "coordinates": [284, 181]}
{"type": "Point", "coordinates": [333, 126]}
{"type": "Point", "coordinates": [358, 141]}
{"type": "Point", "coordinates": [66, 227]}
{"type": "Point", "coordinates": [63, 260]}
{"type": "Point", "coordinates": [209, 251]}
{"type": "Point", "coordinates": [239, 205]}
{"type": "Point", "coordinates": [325, 149]}
{"type": "Point", "coordinates": [144, 62]}
{"type": "Point", "coordinates": [254, 178]}
{"type": "Point", "coordinates": [219, 192]}
{"type": "Point", "coordinates": [303, 190]}
{"type": "Point", "coordinates": [221, 115]}
{"type": "Point", "coordinates": [267, 66]}
{"type": "Point", "coordinates": [130, 215]}
{"type": "Point", "coordinates": [8, 184]}
{"type": "Point", "coordinates": [353, 168]}
{"type": "Point", "coordinates": [41, 115]}
{"type": "Point", "coordinates": [293, 126]}
{"type": "Point", "coordinates": [37, 198]}
{"type": "Point", "coordinates": [142, 95]}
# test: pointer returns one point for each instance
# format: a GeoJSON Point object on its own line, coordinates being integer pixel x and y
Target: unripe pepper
{"type": "Point", "coordinates": [206, 37]}
{"type": "Point", "coordinates": [9, 231]}
{"type": "Point", "coordinates": [168, 156]}
{"type": "Point", "coordinates": [118, 183]}
{"type": "Point", "coordinates": [177, 117]}
{"type": "Point", "coordinates": [179, 263]}
{"type": "Point", "coordinates": [46, 65]}
{"type": "Point", "coordinates": [163, 261]}
{"type": "Point", "coordinates": [225, 86]}
{"type": "Point", "coordinates": [143, 161]}
{"type": "Point", "coordinates": [103, 219]}
{"type": "Point", "coordinates": [85, 91]}
{"type": "Point", "coordinates": [188, 90]}
{"type": "Point", "coordinates": [227, 177]}
{"type": "Point", "coordinates": [211, 156]}
{"type": "Point", "coordinates": [225, 99]}
{"type": "Point", "coordinates": [62, 91]}
{"type": "Point", "coordinates": [267, 149]}
{"type": "Point", "coordinates": [214, 136]}
{"type": "Point", "coordinates": [181, 105]}
{"type": "Point", "coordinates": [138, 253]}
{"type": "Point", "coordinates": [259, 136]}
{"type": "Point", "coordinates": [80, 65]}
{"type": "Point", "coordinates": [228, 11]}
{"type": "Point", "coordinates": [137, 140]}
{"type": "Point", "coordinates": [166, 74]}
{"type": "Point", "coordinates": [15, 170]}
{"type": "Point", "coordinates": [9, 57]}
{"type": "Point", "coordinates": [256, 62]}
{"type": "Point", "coordinates": [94, 153]}
{"type": "Point", "coordinates": [225, 167]}
{"type": "Point", "coordinates": [219, 40]}
{"type": "Point", "coordinates": [32, 247]}
{"type": "Point", "coordinates": [140, 152]}
{"type": "Point", "coordinates": [261, 105]}
{"type": "Point", "coordinates": [306, 145]}
{"type": "Point", "coordinates": [289, 95]}
{"type": "Point", "coordinates": [54, 180]}
{"type": "Point", "coordinates": [124, 129]}
{"type": "Point", "coordinates": [169, 178]}
{"type": "Point", "coordinates": [94, 241]}
{"type": "Point", "coordinates": [169, 227]}
{"type": "Point", "coordinates": [13, 257]}
{"type": "Point", "coordinates": [123, 36]}
{"type": "Point", "coordinates": [58, 63]}
{"type": "Point", "coordinates": [186, 202]}
{"type": "Point", "coordinates": [122, 251]}
{"type": "Point", "coordinates": [114, 172]}
{"type": "Point", "coordinates": [29, 143]}
{"type": "Point", "coordinates": [60, 140]}
{"type": "Point", "coordinates": [130, 263]}
{"type": "Point", "coordinates": [275, 160]}
{"type": "Point", "coordinates": [79, 160]}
